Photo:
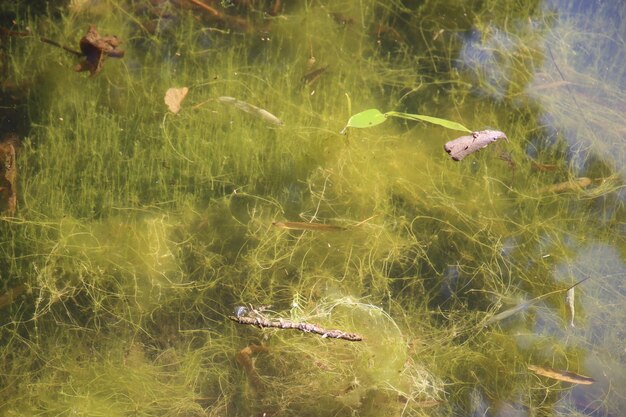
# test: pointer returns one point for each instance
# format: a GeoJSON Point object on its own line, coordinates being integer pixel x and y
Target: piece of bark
{"type": "Point", "coordinates": [459, 148]}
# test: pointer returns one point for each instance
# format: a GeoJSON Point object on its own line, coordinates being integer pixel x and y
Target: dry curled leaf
{"type": "Point", "coordinates": [459, 148]}
{"type": "Point", "coordinates": [96, 48]}
{"type": "Point", "coordinates": [174, 97]}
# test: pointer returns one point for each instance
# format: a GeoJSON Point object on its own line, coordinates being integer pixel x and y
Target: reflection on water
{"type": "Point", "coordinates": [138, 229]}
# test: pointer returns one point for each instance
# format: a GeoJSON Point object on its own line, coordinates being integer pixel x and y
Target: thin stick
{"type": "Point", "coordinates": [303, 327]}
{"type": "Point", "coordinates": [7, 32]}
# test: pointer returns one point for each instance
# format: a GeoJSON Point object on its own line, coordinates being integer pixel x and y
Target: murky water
{"type": "Point", "coordinates": [141, 224]}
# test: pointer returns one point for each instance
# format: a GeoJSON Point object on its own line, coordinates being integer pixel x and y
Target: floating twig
{"type": "Point", "coordinates": [565, 376]}
{"type": "Point", "coordinates": [459, 148]}
{"type": "Point", "coordinates": [303, 327]}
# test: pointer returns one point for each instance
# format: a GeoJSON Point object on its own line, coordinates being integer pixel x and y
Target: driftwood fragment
{"type": "Point", "coordinates": [459, 148]}
{"type": "Point", "coordinates": [303, 327]}
{"type": "Point", "coordinates": [96, 48]}
{"type": "Point", "coordinates": [8, 174]}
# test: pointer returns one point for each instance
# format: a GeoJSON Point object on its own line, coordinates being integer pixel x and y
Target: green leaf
{"type": "Point", "coordinates": [367, 118]}
{"type": "Point", "coordinates": [435, 120]}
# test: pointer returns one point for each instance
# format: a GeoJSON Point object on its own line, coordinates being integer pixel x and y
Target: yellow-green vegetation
{"type": "Point", "coordinates": [139, 230]}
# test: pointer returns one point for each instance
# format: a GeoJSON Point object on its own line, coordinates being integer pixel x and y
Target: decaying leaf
{"type": "Point", "coordinates": [249, 108]}
{"type": "Point", "coordinates": [174, 97]}
{"type": "Point", "coordinates": [95, 49]}
{"type": "Point", "coordinates": [565, 376]}
{"type": "Point", "coordinates": [8, 174]}
{"type": "Point", "coordinates": [465, 145]}
{"type": "Point", "coordinates": [573, 185]}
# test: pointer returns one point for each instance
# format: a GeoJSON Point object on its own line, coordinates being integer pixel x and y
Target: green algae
{"type": "Point", "coordinates": [138, 231]}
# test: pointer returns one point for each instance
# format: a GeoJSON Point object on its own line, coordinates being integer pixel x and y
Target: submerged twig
{"type": "Point", "coordinates": [320, 227]}
{"type": "Point", "coordinates": [565, 376]}
{"type": "Point", "coordinates": [303, 327]}
{"type": "Point", "coordinates": [7, 32]}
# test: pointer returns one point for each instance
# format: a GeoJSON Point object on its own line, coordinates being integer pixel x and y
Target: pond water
{"type": "Point", "coordinates": [192, 180]}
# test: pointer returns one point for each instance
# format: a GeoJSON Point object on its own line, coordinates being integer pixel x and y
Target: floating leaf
{"type": "Point", "coordinates": [173, 98]}
{"type": "Point", "coordinates": [565, 376]}
{"type": "Point", "coordinates": [434, 120]}
{"type": "Point", "coordinates": [367, 118]}
{"type": "Point", "coordinates": [252, 109]}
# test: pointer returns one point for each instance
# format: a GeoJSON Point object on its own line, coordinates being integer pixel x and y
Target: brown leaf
{"type": "Point", "coordinates": [174, 97]}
